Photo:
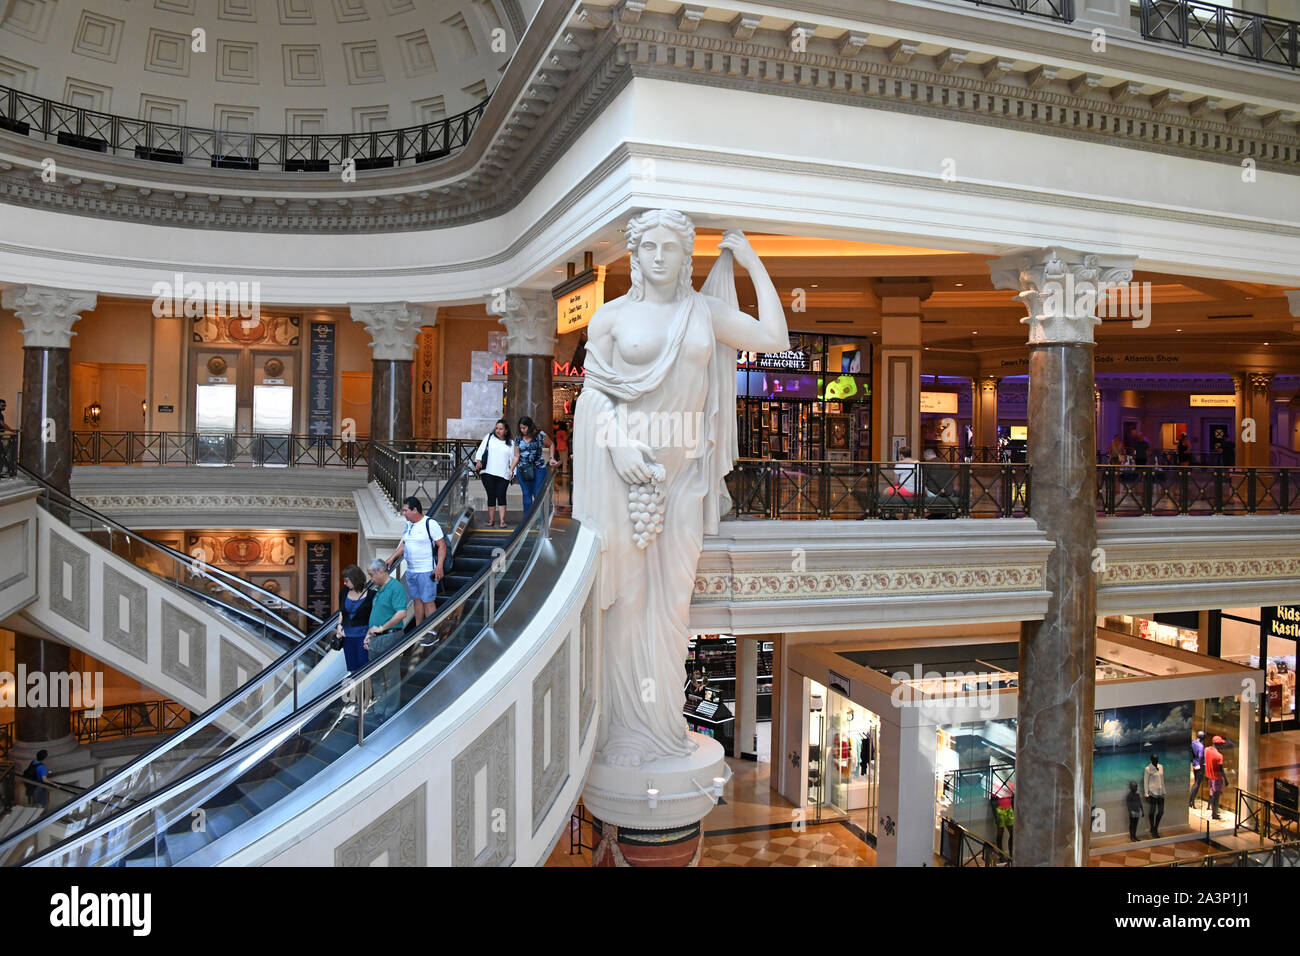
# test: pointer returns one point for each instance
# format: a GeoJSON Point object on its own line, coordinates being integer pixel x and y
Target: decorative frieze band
{"type": "Point", "coordinates": [714, 587]}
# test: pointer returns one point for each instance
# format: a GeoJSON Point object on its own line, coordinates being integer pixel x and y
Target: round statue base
{"type": "Point", "coordinates": [638, 827]}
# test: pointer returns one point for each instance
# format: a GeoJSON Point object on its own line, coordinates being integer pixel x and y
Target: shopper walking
{"type": "Point", "coordinates": [1003, 800]}
{"type": "Point", "coordinates": [533, 452]}
{"type": "Point", "coordinates": [494, 464]}
{"type": "Point", "coordinates": [1198, 767]}
{"type": "Point", "coordinates": [1214, 773]}
{"type": "Point", "coordinates": [1153, 787]}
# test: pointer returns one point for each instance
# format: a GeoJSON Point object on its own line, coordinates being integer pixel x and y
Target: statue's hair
{"type": "Point", "coordinates": [670, 219]}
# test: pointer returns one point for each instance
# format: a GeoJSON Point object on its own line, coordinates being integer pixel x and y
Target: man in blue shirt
{"type": "Point", "coordinates": [1198, 766]}
{"type": "Point", "coordinates": [387, 612]}
{"type": "Point", "coordinates": [36, 770]}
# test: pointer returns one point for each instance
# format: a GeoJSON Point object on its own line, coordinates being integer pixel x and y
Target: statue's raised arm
{"type": "Point", "coordinates": [736, 328]}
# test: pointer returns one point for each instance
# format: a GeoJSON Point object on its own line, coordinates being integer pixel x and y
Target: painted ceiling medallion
{"type": "Point", "coordinates": [242, 550]}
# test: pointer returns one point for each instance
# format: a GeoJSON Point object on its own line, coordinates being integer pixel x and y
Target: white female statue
{"type": "Point", "coordinates": [654, 439]}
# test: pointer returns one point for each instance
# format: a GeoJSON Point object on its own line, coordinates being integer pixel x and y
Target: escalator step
{"type": "Point", "coordinates": [263, 794]}
{"type": "Point", "coordinates": [186, 843]}
{"type": "Point", "coordinates": [222, 820]}
{"type": "Point", "coordinates": [300, 769]}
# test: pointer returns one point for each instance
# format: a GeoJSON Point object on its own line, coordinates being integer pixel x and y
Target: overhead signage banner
{"type": "Point", "coordinates": [574, 309]}
{"type": "Point", "coordinates": [1214, 401]}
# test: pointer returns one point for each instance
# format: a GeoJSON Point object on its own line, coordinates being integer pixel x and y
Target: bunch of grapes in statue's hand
{"type": "Point", "coordinates": [646, 507]}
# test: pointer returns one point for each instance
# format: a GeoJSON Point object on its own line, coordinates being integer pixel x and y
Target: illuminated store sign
{"type": "Point", "coordinates": [1214, 401]}
{"type": "Point", "coordinates": [943, 403]}
{"type": "Point", "coordinates": [574, 307]}
{"type": "Point", "coordinates": [792, 359]}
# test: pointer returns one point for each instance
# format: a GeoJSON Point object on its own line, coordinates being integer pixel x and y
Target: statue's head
{"type": "Point", "coordinates": [661, 242]}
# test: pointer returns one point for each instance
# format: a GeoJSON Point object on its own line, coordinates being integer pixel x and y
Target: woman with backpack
{"type": "Point", "coordinates": [494, 461]}
{"type": "Point", "coordinates": [528, 461]}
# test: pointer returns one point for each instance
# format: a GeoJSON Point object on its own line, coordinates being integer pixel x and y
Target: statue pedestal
{"type": "Point", "coordinates": [629, 831]}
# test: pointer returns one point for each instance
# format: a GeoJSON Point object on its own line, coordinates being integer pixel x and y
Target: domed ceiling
{"type": "Point", "coordinates": [296, 66]}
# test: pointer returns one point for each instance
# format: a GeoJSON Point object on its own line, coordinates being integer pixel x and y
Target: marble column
{"type": "Point", "coordinates": [47, 316]}
{"type": "Point", "coordinates": [45, 447]}
{"type": "Point", "coordinates": [984, 410]}
{"type": "Point", "coordinates": [47, 727]}
{"type": "Point", "coordinates": [1054, 732]}
{"type": "Point", "coordinates": [898, 387]}
{"type": "Point", "coordinates": [393, 328]}
{"type": "Point", "coordinates": [529, 319]}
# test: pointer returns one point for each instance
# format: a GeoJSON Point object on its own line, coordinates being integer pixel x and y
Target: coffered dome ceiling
{"type": "Point", "coordinates": [296, 66]}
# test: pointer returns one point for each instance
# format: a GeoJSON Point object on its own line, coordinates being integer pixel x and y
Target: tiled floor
{"type": "Point", "coordinates": [754, 825]}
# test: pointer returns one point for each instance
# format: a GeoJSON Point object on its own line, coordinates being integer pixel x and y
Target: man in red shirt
{"type": "Point", "coordinates": [1214, 773]}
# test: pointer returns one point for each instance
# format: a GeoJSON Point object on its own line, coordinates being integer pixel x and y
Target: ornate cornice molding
{"type": "Point", "coordinates": [584, 68]}
{"type": "Point", "coordinates": [714, 587]}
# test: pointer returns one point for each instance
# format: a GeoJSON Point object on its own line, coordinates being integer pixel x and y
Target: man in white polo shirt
{"type": "Point", "coordinates": [421, 536]}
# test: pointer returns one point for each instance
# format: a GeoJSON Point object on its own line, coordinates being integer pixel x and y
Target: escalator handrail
{"type": "Point", "coordinates": [222, 608]}
{"type": "Point", "coordinates": [209, 716]}
{"type": "Point", "coordinates": [246, 753]}
{"type": "Point", "coordinates": [172, 741]}
{"type": "Point", "coordinates": [206, 570]}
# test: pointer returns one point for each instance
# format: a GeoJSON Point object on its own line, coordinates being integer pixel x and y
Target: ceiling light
{"type": "Point", "coordinates": [1177, 330]}
{"type": "Point", "coordinates": [814, 285]}
{"type": "Point", "coordinates": [974, 333]}
{"type": "Point", "coordinates": [959, 285]}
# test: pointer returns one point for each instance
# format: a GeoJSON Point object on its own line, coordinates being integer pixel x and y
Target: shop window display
{"type": "Point", "coordinates": [1149, 630]}
{"type": "Point", "coordinates": [810, 403]}
{"type": "Point", "coordinates": [975, 768]}
{"type": "Point", "coordinates": [1265, 638]}
{"type": "Point", "coordinates": [852, 767]}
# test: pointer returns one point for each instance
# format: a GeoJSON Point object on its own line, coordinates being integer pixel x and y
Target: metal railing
{"type": "Point", "coordinates": [255, 606]}
{"type": "Point", "coordinates": [417, 468]}
{"type": "Point", "coordinates": [1265, 818]}
{"type": "Point", "coordinates": [404, 670]}
{"type": "Point", "coordinates": [960, 847]}
{"type": "Point", "coordinates": [9, 455]}
{"type": "Point", "coordinates": [1197, 25]}
{"type": "Point", "coordinates": [1280, 855]}
{"type": "Point", "coordinates": [76, 126]}
{"type": "Point", "coordinates": [121, 720]}
{"type": "Point", "coordinates": [853, 490]}
{"type": "Point", "coordinates": [1062, 10]}
{"type": "Point", "coordinates": [209, 448]}
{"type": "Point", "coordinates": [1196, 489]}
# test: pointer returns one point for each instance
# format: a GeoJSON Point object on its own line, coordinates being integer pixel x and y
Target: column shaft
{"type": "Point", "coordinates": [390, 400]}
{"type": "Point", "coordinates": [48, 726]}
{"type": "Point", "coordinates": [1058, 654]}
{"type": "Point", "coordinates": [528, 390]}
{"type": "Point", "coordinates": [46, 444]}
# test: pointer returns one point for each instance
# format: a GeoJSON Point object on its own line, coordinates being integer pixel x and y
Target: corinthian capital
{"type": "Point", "coordinates": [1061, 289]}
{"type": "Point", "coordinates": [47, 314]}
{"type": "Point", "coordinates": [393, 327]}
{"type": "Point", "coordinates": [529, 318]}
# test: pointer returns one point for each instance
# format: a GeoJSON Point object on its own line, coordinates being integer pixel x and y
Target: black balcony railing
{"type": "Point", "coordinates": [960, 847]}
{"type": "Point", "coordinates": [1062, 10]}
{"type": "Point", "coordinates": [852, 490]}
{"type": "Point", "coordinates": [218, 448]}
{"type": "Point", "coordinates": [1196, 490]}
{"type": "Point", "coordinates": [1197, 25]}
{"type": "Point", "coordinates": [121, 720]}
{"type": "Point", "coordinates": [75, 126]}
{"type": "Point", "coordinates": [8, 454]}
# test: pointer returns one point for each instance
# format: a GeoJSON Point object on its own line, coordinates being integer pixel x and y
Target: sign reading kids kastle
{"type": "Point", "coordinates": [320, 397]}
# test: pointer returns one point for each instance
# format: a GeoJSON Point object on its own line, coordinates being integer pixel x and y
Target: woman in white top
{"type": "Point", "coordinates": [494, 462]}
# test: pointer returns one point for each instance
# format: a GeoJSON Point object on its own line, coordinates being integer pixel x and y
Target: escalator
{"type": "Point", "coordinates": [271, 753]}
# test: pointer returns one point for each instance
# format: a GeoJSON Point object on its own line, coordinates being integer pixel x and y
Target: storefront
{"type": "Point", "coordinates": [1264, 638]}
{"type": "Point", "coordinates": [942, 724]}
{"type": "Point", "coordinates": [1180, 632]}
{"type": "Point", "coordinates": [716, 674]}
{"type": "Point", "coordinates": [809, 403]}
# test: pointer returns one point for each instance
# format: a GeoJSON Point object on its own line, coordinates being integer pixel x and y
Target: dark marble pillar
{"type": "Point", "coordinates": [1058, 654]}
{"type": "Point", "coordinates": [528, 390]}
{"type": "Point", "coordinates": [390, 400]}
{"type": "Point", "coordinates": [46, 443]}
{"type": "Point", "coordinates": [1057, 678]}
{"type": "Point", "coordinates": [46, 727]}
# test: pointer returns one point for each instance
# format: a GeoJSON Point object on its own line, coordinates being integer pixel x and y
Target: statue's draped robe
{"type": "Point", "coordinates": [645, 595]}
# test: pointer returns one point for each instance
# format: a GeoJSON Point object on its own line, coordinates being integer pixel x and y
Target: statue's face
{"type": "Point", "coordinates": [660, 255]}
